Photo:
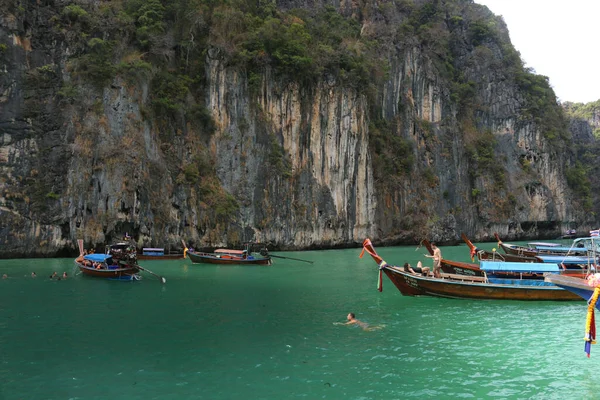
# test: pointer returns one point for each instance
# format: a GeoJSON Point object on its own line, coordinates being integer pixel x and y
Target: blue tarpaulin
{"type": "Point", "coordinates": [518, 266]}
{"type": "Point", "coordinates": [97, 257]}
{"type": "Point", "coordinates": [555, 249]}
{"type": "Point", "coordinates": [563, 259]}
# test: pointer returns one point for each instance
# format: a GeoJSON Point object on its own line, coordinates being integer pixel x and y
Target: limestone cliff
{"type": "Point", "coordinates": [220, 124]}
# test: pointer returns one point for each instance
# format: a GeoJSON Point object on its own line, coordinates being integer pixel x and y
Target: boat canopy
{"type": "Point", "coordinates": [545, 244]}
{"type": "Point", "coordinates": [591, 243]}
{"type": "Point", "coordinates": [558, 259]}
{"type": "Point", "coordinates": [562, 249]}
{"type": "Point", "coordinates": [229, 251]}
{"type": "Point", "coordinates": [518, 266]}
{"type": "Point", "coordinates": [97, 257]}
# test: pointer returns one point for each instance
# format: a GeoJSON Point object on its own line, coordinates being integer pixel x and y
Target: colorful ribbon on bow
{"type": "Point", "coordinates": [590, 322]}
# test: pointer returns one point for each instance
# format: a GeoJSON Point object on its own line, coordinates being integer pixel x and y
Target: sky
{"type": "Point", "coordinates": [557, 39]}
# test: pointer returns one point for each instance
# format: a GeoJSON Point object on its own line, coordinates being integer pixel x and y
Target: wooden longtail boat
{"type": "Point", "coordinates": [541, 250]}
{"type": "Point", "coordinates": [465, 287]}
{"type": "Point", "coordinates": [118, 263]}
{"type": "Point", "coordinates": [104, 266]}
{"type": "Point", "coordinates": [571, 265]}
{"type": "Point", "coordinates": [225, 258]}
{"type": "Point", "coordinates": [494, 255]}
{"type": "Point", "coordinates": [230, 256]}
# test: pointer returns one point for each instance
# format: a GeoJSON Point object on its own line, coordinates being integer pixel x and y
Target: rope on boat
{"type": "Point", "coordinates": [382, 265]}
{"type": "Point", "coordinates": [590, 322]}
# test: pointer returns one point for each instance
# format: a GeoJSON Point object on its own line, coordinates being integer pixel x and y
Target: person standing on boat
{"type": "Point", "coordinates": [437, 260]}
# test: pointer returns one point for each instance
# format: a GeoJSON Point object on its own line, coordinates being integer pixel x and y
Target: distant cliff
{"type": "Point", "coordinates": [297, 124]}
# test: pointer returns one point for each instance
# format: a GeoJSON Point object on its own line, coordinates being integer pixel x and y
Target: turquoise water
{"type": "Point", "coordinates": [267, 332]}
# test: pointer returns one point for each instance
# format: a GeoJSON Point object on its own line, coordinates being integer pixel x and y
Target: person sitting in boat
{"type": "Point", "coordinates": [419, 269]}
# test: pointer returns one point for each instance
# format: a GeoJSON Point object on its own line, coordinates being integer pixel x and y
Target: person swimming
{"type": "Point", "coordinates": [351, 320]}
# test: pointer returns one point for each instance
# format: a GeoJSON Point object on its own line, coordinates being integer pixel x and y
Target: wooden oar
{"type": "Point", "coordinates": [162, 279]}
{"type": "Point", "coordinates": [291, 258]}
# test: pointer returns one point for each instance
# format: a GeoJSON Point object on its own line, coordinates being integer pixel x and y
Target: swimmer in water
{"type": "Point", "coordinates": [351, 320]}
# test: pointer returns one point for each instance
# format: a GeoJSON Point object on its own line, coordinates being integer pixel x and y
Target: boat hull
{"type": "Point", "coordinates": [417, 285]}
{"type": "Point", "coordinates": [227, 259]}
{"type": "Point", "coordinates": [578, 287]}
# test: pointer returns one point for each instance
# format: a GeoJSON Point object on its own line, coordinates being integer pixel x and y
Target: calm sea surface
{"type": "Point", "coordinates": [267, 332]}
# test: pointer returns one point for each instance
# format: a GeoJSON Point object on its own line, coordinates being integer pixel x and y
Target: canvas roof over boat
{"type": "Point", "coordinates": [546, 244]}
{"type": "Point", "coordinates": [564, 249]}
{"type": "Point", "coordinates": [551, 258]}
{"type": "Point", "coordinates": [587, 243]}
{"type": "Point", "coordinates": [229, 251]}
{"type": "Point", "coordinates": [97, 257]}
{"type": "Point", "coordinates": [518, 266]}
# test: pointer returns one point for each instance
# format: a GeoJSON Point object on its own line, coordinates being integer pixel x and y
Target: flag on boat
{"type": "Point", "coordinates": [595, 233]}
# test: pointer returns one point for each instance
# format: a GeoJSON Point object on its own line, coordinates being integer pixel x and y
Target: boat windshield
{"type": "Point", "coordinates": [589, 243]}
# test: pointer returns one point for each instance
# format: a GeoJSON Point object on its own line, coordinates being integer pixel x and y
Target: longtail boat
{"type": "Point", "coordinates": [225, 258]}
{"type": "Point", "coordinates": [467, 287]}
{"type": "Point", "coordinates": [118, 263]}
{"type": "Point", "coordinates": [578, 248]}
{"type": "Point", "coordinates": [104, 266]}
{"type": "Point", "coordinates": [494, 255]}
{"type": "Point", "coordinates": [155, 253]}
{"type": "Point", "coordinates": [230, 256]}
{"type": "Point", "coordinates": [570, 265]}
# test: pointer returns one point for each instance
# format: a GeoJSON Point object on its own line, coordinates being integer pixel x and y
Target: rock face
{"type": "Point", "coordinates": [268, 159]}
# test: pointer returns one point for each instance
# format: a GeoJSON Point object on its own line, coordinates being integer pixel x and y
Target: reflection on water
{"type": "Point", "coordinates": [267, 332]}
